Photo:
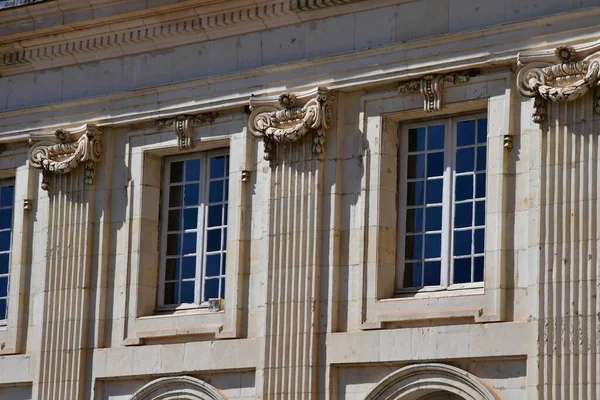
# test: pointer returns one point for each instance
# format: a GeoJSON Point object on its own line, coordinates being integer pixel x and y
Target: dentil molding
{"type": "Point", "coordinates": [71, 148]}
{"type": "Point", "coordinates": [183, 126]}
{"type": "Point", "coordinates": [281, 119]}
{"type": "Point", "coordinates": [561, 75]}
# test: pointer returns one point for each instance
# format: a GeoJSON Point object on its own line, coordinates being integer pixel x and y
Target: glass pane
{"type": "Point", "coordinates": [462, 243]}
{"type": "Point", "coordinates": [479, 237]}
{"type": "Point", "coordinates": [481, 158]}
{"type": "Point", "coordinates": [2, 309]}
{"type": "Point", "coordinates": [414, 193]}
{"type": "Point", "coordinates": [5, 241]}
{"type": "Point", "coordinates": [223, 263]}
{"type": "Point", "coordinates": [4, 263]}
{"type": "Point", "coordinates": [432, 273]}
{"type": "Point", "coordinates": [464, 188]}
{"type": "Point", "coordinates": [217, 167]}
{"type": "Point", "coordinates": [188, 268]}
{"type": "Point", "coordinates": [190, 218]}
{"type": "Point", "coordinates": [414, 220]}
{"type": "Point", "coordinates": [480, 213]}
{"type": "Point", "coordinates": [213, 265]}
{"type": "Point", "coordinates": [433, 219]}
{"type": "Point", "coordinates": [215, 193]}
{"type": "Point", "coordinates": [192, 194]}
{"type": "Point", "coordinates": [171, 293]}
{"type": "Point", "coordinates": [189, 242]}
{"type": "Point", "coordinates": [480, 185]}
{"type": "Point", "coordinates": [435, 164]}
{"type": "Point", "coordinates": [463, 215]}
{"type": "Point", "coordinates": [174, 223]}
{"type": "Point", "coordinates": [7, 194]}
{"type": "Point", "coordinates": [213, 240]}
{"type": "Point", "coordinates": [211, 289]}
{"type": "Point", "coordinates": [478, 269]}
{"type": "Point", "coordinates": [187, 292]}
{"type": "Point", "coordinates": [434, 191]}
{"type": "Point", "coordinates": [416, 166]}
{"type": "Point", "coordinates": [176, 172]}
{"type": "Point", "coordinates": [225, 215]}
{"type": "Point", "coordinates": [172, 269]}
{"type": "Point", "coordinates": [175, 196]}
{"type": "Point", "coordinates": [226, 189]}
{"type": "Point", "coordinates": [412, 247]}
{"type": "Point", "coordinates": [433, 245]}
{"type": "Point", "coordinates": [482, 130]}
{"type": "Point", "coordinates": [173, 244]}
{"type": "Point", "coordinates": [466, 133]}
{"type": "Point", "coordinates": [412, 275]}
{"type": "Point", "coordinates": [435, 137]}
{"type": "Point", "coordinates": [462, 270]}
{"type": "Point", "coordinates": [416, 139]}
{"type": "Point", "coordinates": [6, 218]}
{"type": "Point", "coordinates": [4, 286]}
{"type": "Point", "coordinates": [465, 159]}
{"type": "Point", "coordinates": [192, 170]}
{"type": "Point", "coordinates": [222, 288]}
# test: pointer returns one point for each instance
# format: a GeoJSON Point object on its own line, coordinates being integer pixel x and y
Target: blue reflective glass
{"type": "Point", "coordinates": [414, 193]}
{"type": "Point", "coordinates": [7, 195]}
{"type": "Point", "coordinates": [433, 245]}
{"type": "Point", "coordinates": [464, 188]}
{"type": "Point", "coordinates": [6, 218]}
{"type": "Point", "coordinates": [465, 159]}
{"type": "Point", "coordinates": [435, 164]}
{"type": "Point", "coordinates": [175, 196]}
{"type": "Point", "coordinates": [176, 172]}
{"type": "Point", "coordinates": [217, 167]}
{"type": "Point", "coordinates": [466, 133]}
{"type": "Point", "coordinates": [171, 293]}
{"type": "Point", "coordinates": [225, 215]}
{"type": "Point", "coordinates": [414, 220]}
{"type": "Point", "coordinates": [187, 292]}
{"type": "Point", "coordinates": [434, 191]}
{"type": "Point", "coordinates": [211, 289]}
{"type": "Point", "coordinates": [482, 130]}
{"type": "Point", "coordinates": [215, 214]}
{"type": "Point", "coordinates": [215, 193]}
{"type": "Point", "coordinates": [174, 220]}
{"type": "Point", "coordinates": [5, 241]}
{"type": "Point", "coordinates": [480, 213]}
{"type": "Point", "coordinates": [173, 242]}
{"type": "Point", "coordinates": [462, 270]}
{"type": "Point", "coordinates": [223, 263]}
{"type": "Point", "coordinates": [222, 288]}
{"type": "Point", "coordinates": [480, 185]}
{"type": "Point", "coordinates": [481, 158]}
{"type": "Point", "coordinates": [189, 243]}
{"type": "Point", "coordinates": [479, 237]}
{"type": "Point", "coordinates": [412, 247]}
{"type": "Point", "coordinates": [462, 243]}
{"type": "Point", "coordinates": [192, 194]}
{"type": "Point", "coordinates": [224, 238]}
{"type": "Point", "coordinates": [172, 269]}
{"type": "Point", "coordinates": [190, 218]}
{"type": "Point", "coordinates": [4, 286]}
{"type": "Point", "coordinates": [432, 275]}
{"type": "Point", "coordinates": [188, 268]}
{"type": "Point", "coordinates": [416, 166]}
{"type": "Point", "coordinates": [4, 263]}
{"type": "Point", "coordinates": [226, 165]}
{"type": "Point", "coordinates": [213, 240]}
{"type": "Point", "coordinates": [192, 170]}
{"type": "Point", "coordinates": [478, 269]}
{"type": "Point", "coordinates": [226, 189]}
{"type": "Point", "coordinates": [463, 215]}
{"type": "Point", "coordinates": [435, 137]}
{"type": "Point", "coordinates": [213, 265]}
{"type": "Point", "coordinates": [2, 309]}
{"type": "Point", "coordinates": [433, 219]}
{"type": "Point", "coordinates": [416, 139]}
{"type": "Point", "coordinates": [413, 275]}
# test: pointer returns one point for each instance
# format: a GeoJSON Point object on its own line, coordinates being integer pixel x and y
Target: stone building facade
{"type": "Point", "coordinates": [300, 199]}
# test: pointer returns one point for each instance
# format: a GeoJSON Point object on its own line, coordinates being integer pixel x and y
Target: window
{"type": "Point", "coordinates": [194, 229]}
{"type": "Point", "coordinates": [442, 197]}
{"type": "Point", "coordinates": [7, 195]}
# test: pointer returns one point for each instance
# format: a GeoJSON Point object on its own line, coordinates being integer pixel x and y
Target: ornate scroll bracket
{"type": "Point", "coordinates": [432, 87]}
{"type": "Point", "coordinates": [71, 148]}
{"type": "Point", "coordinates": [279, 120]}
{"type": "Point", "coordinates": [183, 126]}
{"type": "Point", "coordinates": [560, 82]}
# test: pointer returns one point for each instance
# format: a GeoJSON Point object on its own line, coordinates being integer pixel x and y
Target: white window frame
{"type": "Point", "coordinates": [448, 202]}
{"type": "Point", "coordinates": [3, 183]}
{"type": "Point", "coordinates": [201, 233]}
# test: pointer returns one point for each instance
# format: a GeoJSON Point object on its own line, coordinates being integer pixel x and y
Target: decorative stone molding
{"type": "Point", "coordinates": [560, 82]}
{"type": "Point", "coordinates": [183, 126]}
{"type": "Point", "coordinates": [177, 387]}
{"type": "Point", "coordinates": [74, 147]}
{"type": "Point", "coordinates": [432, 87]}
{"type": "Point", "coordinates": [279, 119]}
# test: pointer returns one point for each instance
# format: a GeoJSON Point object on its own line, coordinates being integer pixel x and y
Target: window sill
{"type": "Point", "coordinates": [438, 291]}
{"type": "Point", "coordinates": [181, 322]}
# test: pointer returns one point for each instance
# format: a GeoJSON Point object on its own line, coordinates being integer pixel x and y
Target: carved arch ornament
{"type": "Point", "coordinates": [279, 119]}
{"type": "Point", "coordinates": [177, 387]}
{"type": "Point", "coordinates": [70, 149]}
{"type": "Point", "coordinates": [418, 380]}
{"type": "Point", "coordinates": [570, 76]}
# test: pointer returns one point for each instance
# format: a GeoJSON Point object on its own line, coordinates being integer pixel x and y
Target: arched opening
{"type": "Point", "coordinates": [177, 388]}
{"type": "Point", "coordinates": [430, 382]}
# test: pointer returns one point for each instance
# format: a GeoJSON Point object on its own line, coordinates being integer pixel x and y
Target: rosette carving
{"type": "Point", "coordinates": [70, 149]}
{"type": "Point", "coordinates": [560, 82]}
{"type": "Point", "coordinates": [280, 120]}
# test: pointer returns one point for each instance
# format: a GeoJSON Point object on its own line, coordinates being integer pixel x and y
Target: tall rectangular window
{"type": "Point", "coordinates": [194, 229]}
{"type": "Point", "coordinates": [442, 203]}
{"type": "Point", "coordinates": [7, 197]}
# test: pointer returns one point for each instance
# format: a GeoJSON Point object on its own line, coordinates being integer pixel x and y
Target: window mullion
{"type": "Point", "coordinates": [163, 241]}
{"type": "Point", "coordinates": [447, 204]}
{"type": "Point", "coordinates": [202, 211]}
